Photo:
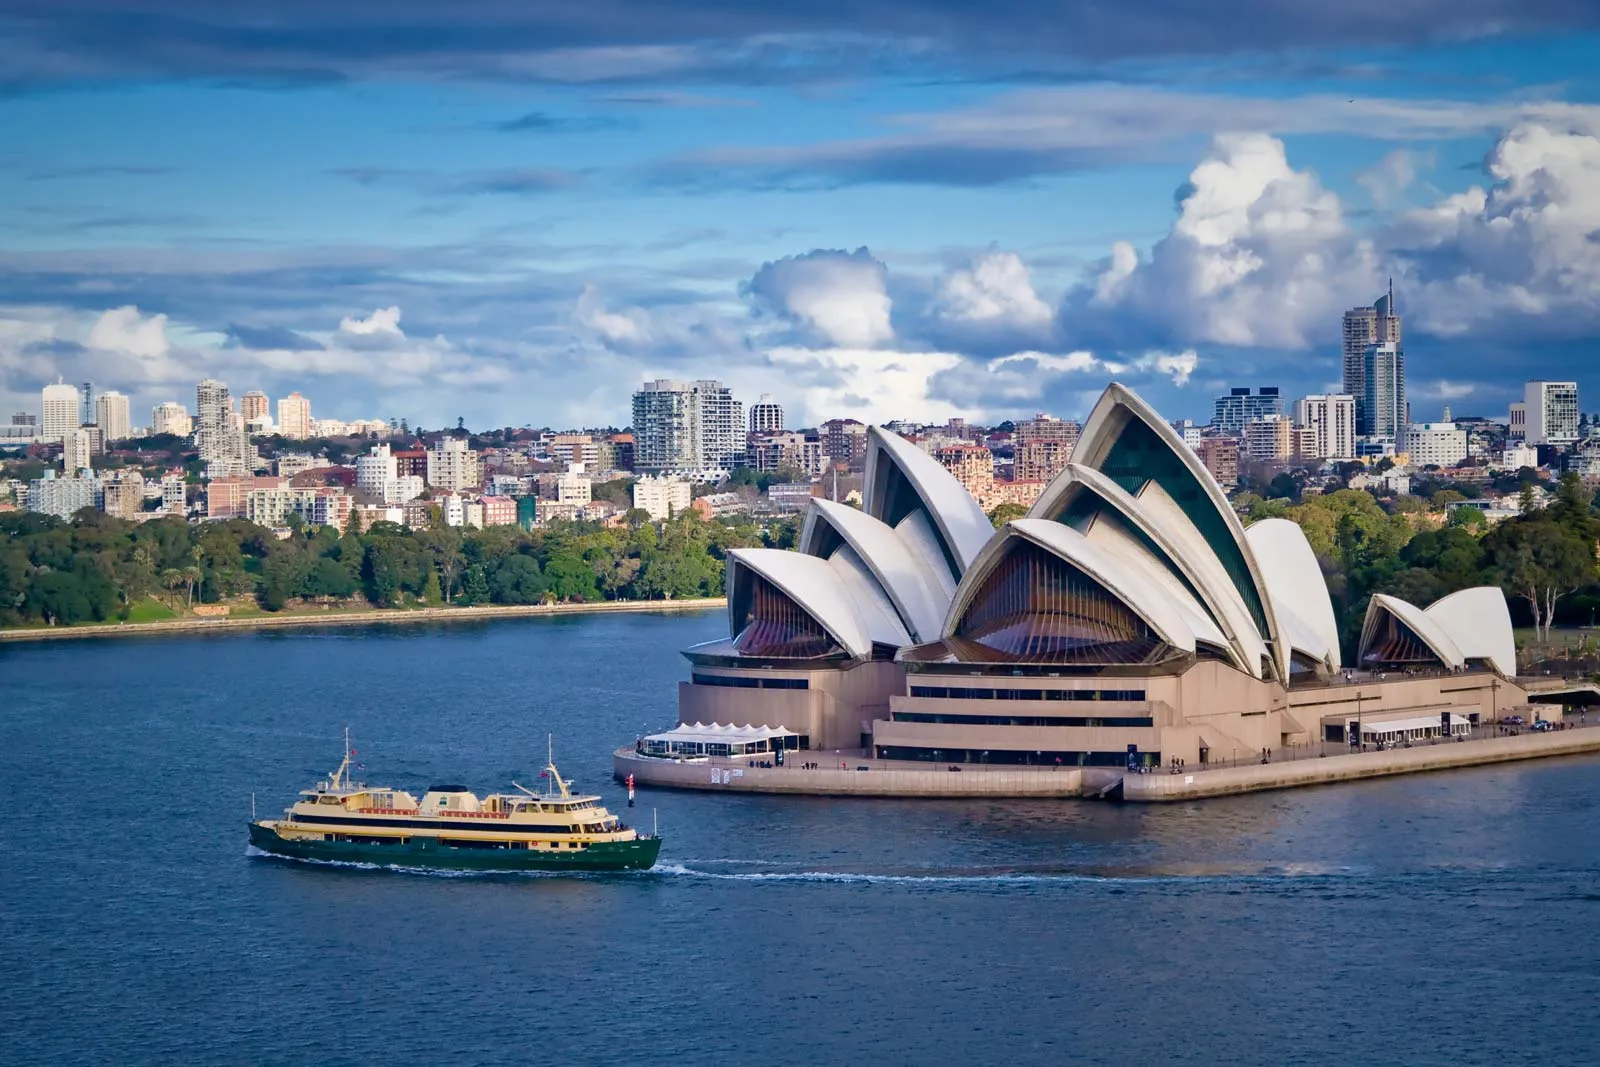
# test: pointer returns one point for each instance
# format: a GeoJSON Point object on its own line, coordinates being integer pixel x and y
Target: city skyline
{"type": "Point", "coordinates": [873, 223]}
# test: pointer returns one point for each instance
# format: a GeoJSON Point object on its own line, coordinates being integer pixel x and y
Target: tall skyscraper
{"type": "Point", "coordinates": [1332, 420]}
{"type": "Point", "coordinates": [1230, 413]}
{"type": "Point", "coordinates": [59, 415]}
{"type": "Point", "coordinates": [681, 425]}
{"type": "Point", "coordinates": [169, 416]}
{"type": "Point", "coordinates": [1383, 407]}
{"type": "Point", "coordinates": [217, 439]}
{"type": "Point", "coordinates": [253, 405]}
{"type": "Point", "coordinates": [294, 416]}
{"type": "Point", "coordinates": [1552, 412]}
{"type": "Point", "coordinates": [112, 415]}
{"type": "Point", "coordinates": [1363, 328]}
{"type": "Point", "coordinates": [766, 415]}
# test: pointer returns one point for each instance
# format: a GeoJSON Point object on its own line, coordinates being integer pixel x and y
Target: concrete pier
{"type": "Point", "coordinates": [879, 779]}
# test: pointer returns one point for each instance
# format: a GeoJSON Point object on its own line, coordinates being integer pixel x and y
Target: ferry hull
{"type": "Point", "coordinates": [426, 851]}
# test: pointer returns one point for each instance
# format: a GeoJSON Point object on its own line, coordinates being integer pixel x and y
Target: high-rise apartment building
{"type": "Point", "coordinates": [59, 415]}
{"type": "Point", "coordinates": [766, 415]}
{"type": "Point", "coordinates": [1331, 417]}
{"type": "Point", "coordinates": [973, 466]}
{"type": "Point", "coordinates": [1042, 447]}
{"type": "Point", "coordinates": [1434, 444]}
{"type": "Point", "coordinates": [845, 441]}
{"type": "Point", "coordinates": [294, 416]}
{"type": "Point", "coordinates": [1220, 455]}
{"type": "Point", "coordinates": [122, 494]}
{"type": "Point", "coordinates": [77, 452]}
{"type": "Point", "coordinates": [174, 493]}
{"type": "Point", "coordinates": [1269, 439]}
{"type": "Point", "coordinates": [1231, 412]}
{"type": "Point", "coordinates": [220, 443]}
{"type": "Point", "coordinates": [1551, 412]}
{"type": "Point", "coordinates": [1363, 328]}
{"type": "Point", "coordinates": [61, 497]}
{"type": "Point", "coordinates": [171, 417]}
{"type": "Point", "coordinates": [1383, 412]}
{"type": "Point", "coordinates": [377, 476]}
{"type": "Point", "coordinates": [680, 425]}
{"type": "Point", "coordinates": [452, 465]}
{"type": "Point", "coordinates": [254, 405]}
{"type": "Point", "coordinates": [112, 414]}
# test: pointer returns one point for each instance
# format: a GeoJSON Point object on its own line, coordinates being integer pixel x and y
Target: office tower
{"type": "Point", "coordinates": [1551, 411]}
{"type": "Point", "coordinates": [171, 417]}
{"type": "Point", "coordinates": [294, 416]}
{"type": "Point", "coordinates": [111, 414]}
{"type": "Point", "coordinates": [219, 442]}
{"type": "Point", "coordinates": [60, 414]}
{"type": "Point", "coordinates": [766, 415]}
{"type": "Point", "coordinates": [1231, 412]}
{"type": "Point", "coordinates": [254, 405]}
{"type": "Point", "coordinates": [1364, 327]}
{"type": "Point", "coordinates": [1384, 378]}
{"type": "Point", "coordinates": [452, 465]}
{"type": "Point", "coordinates": [77, 452]}
{"type": "Point", "coordinates": [681, 425]}
{"type": "Point", "coordinates": [1332, 419]}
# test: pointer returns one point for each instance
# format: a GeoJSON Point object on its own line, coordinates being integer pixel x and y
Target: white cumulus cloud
{"type": "Point", "coordinates": [838, 298]}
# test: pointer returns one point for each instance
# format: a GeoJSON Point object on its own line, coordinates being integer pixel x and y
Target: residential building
{"type": "Point", "coordinates": [219, 441]}
{"type": "Point", "coordinates": [790, 496]}
{"type": "Point", "coordinates": [662, 496]}
{"type": "Point", "coordinates": [1021, 492]}
{"type": "Point", "coordinates": [766, 415]}
{"type": "Point", "coordinates": [60, 413]}
{"type": "Point", "coordinates": [174, 493]}
{"type": "Point", "coordinates": [452, 509]}
{"type": "Point", "coordinates": [1042, 447]}
{"type": "Point", "coordinates": [1434, 444]}
{"type": "Point", "coordinates": [453, 465]}
{"type": "Point", "coordinates": [1517, 455]}
{"type": "Point", "coordinates": [1518, 425]}
{"type": "Point", "coordinates": [1332, 419]}
{"type": "Point", "coordinates": [1552, 412]}
{"type": "Point", "coordinates": [1269, 439]}
{"type": "Point", "coordinates": [122, 493]}
{"type": "Point", "coordinates": [972, 465]}
{"type": "Point", "coordinates": [719, 505]}
{"type": "Point", "coordinates": [679, 425]}
{"type": "Point", "coordinates": [111, 414]}
{"type": "Point", "coordinates": [23, 429]}
{"type": "Point", "coordinates": [845, 441]}
{"type": "Point", "coordinates": [254, 405]}
{"type": "Point", "coordinates": [226, 497]}
{"type": "Point", "coordinates": [1303, 445]}
{"type": "Point", "coordinates": [377, 476]}
{"type": "Point", "coordinates": [1220, 455]}
{"type": "Point", "coordinates": [1383, 412]}
{"type": "Point", "coordinates": [289, 464]}
{"type": "Point", "coordinates": [572, 448]}
{"type": "Point", "coordinates": [499, 510]}
{"type": "Point", "coordinates": [618, 454]}
{"type": "Point", "coordinates": [411, 461]}
{"type": "Point", "coordinates": [77, 452]}
{"type": "Point", "coordinates": [573, 486]}
{"type": "Point", "coordinates": [774, 450]}
{"type": "Point", "coordinates": [61, 497]}
{"type": "Point", "coordinates": [1364, 327]}
{"type": "Point", "coordinates": [294, 416]}
{"type": "Point", "coordinates": [1231, 412]}
{"type": "Point", "coordinates": [171, 417]}
{"type": "Point", "coordinates": [332, 507]}
{"type": "Point", "coordinates": [1189, 431]}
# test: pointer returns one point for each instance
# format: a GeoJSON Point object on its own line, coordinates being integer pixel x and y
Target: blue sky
{"type": "Point", "coordinates": [514, 212]}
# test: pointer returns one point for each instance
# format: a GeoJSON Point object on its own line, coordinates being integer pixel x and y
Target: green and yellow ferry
{"type": "Point", "coordinates": [452, 828]}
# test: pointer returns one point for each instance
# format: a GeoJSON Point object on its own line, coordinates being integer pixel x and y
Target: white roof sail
{"type": "Point", "coordinates": [882, 621]}
{"type": "Point", "coordinates": [912, 584]}
{"type": "Point", "coordinates": [1127, 441]}
{"type": "Point", "coordinates": [900, 477]}
{"type": "Point", "coordinates": [1295, 584]}
{"type": "Point", "coordinates": [1479, 622]}
{"type": "Point", "coordinates": [1159, 518]}
{"type": "Point", "coordinates": [1113, 537]}
{"type": "Point", "coordinates": [922, 540]}
{"type": "Point", "coordinates": [1141, 595]}
{"type": "Point", "coordinates": [813, 584]}
{"type": "Point", "coordinates": [1428, 631]}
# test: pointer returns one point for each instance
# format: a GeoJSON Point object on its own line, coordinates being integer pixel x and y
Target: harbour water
{"type": "Point", "coordinates": [1451, 918]}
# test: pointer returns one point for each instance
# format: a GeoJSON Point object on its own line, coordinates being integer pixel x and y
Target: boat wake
{"type": "Point", "coordinates": [979, 878]}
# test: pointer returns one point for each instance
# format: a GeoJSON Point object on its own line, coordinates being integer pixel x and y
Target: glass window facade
{"type": "Point", "coordinates": [1011, 757]}
{"type": "Point", "coordinates": [953, 692]}
{"type": "Point", "coordinates": [734, 681]}
{"type": "Point", "coordinates": [1021, 720]}
{"type": "Point", "coordinates": [772, 624]}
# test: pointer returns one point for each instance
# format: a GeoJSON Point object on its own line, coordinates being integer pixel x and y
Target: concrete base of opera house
{"type": "Point", "coordinates": [889, 778]}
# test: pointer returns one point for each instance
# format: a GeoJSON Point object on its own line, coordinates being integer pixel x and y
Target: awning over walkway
{"type": "Point", "coordinates": [1422, 726]}
{"type": "Point", "coordinates": [717, 739]}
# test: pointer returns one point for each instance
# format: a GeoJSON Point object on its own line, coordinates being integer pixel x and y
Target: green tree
{"type": "Point", "coordinates": [1004, 513]}
{"type": "Point", "coordinates": [475, 588]}
{"type": "Point", "coordinates": [1540, 562]}
{"type": "Point", "coordinates": [569, 577]}
{"type": "Point", "coordinates": [517, 580]}
{"type": "Point", "coordinates": [58, 597]}
{"type": "Point", "coordinates": [432, 595]}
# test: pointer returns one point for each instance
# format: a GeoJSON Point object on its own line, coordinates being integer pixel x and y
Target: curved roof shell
{"type": "Point", "coordinates": [1082, 497]}
{"type": "Point", "coordinates": [1296, 587]}
{"type": "Point", "coordinates": [1139, 593]}
{"type": "Point", "coordinates": [1479, 622]}
{"type": "Point", "coordinates": [916, 591]}
{"type": "Point", "coordinates": [1428, 631]}
{"type": "Point", "coordinates": [1127, 441]}
{"type": "Point", "coordinates": [901, 479]}
{"type": "Point", "coordinates": [833, 594]}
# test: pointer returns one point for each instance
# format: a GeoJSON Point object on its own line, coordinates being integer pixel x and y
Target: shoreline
{"type": "Point", "coordinates": [354, 618]}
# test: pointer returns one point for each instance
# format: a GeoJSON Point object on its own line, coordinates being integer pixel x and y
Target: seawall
{"type": "Point", "coordinates": [736, 776]}
{"type": "Point", "coordinates": [1162, 786]}
{"type": "Point", "coordinates": [354, 618]}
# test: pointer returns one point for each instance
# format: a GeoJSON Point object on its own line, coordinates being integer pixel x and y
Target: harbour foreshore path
{"type": "Point", "coordinates": [194, 625]}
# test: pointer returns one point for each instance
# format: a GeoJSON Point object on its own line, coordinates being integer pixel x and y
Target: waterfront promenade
{"type": "Point", "coordinates": [364, 617]}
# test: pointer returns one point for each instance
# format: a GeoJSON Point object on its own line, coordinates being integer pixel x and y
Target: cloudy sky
{"type": "Point", "coordinates": [513, 211]}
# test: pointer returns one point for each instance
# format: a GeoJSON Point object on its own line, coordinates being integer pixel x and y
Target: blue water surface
{"type": "Point", "coordinates": [1451, 918]}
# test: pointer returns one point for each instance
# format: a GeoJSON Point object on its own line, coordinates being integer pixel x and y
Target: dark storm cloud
{"type": "Point", "coordinates": [544, 122]}
{"type": "Point", "coordinates": [301, 41]}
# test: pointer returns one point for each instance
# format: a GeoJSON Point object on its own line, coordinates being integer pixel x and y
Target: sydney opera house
{"type": "Point", "coordinates": [1129, 617]}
